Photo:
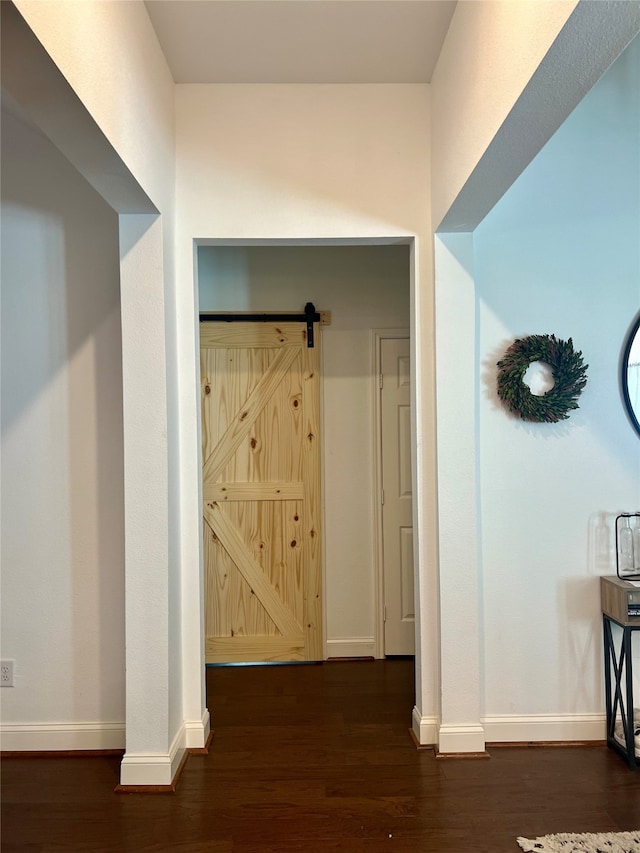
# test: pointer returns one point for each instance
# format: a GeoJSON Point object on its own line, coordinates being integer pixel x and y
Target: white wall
{"type": "Point", "coordinates": [365, 288]}
{"type": "Point", "coordinates": [62, 454]}
{"type": "Point", "coordinates": [508, 75]}
{"type": "Point", "coordinates": [110, 57]}
{"type": "Point", "coordinates": [558, 254]}
{"type": "Point", "coordinates": [490, 52]}
{"type": "Point", "coordinates": [304, 163]}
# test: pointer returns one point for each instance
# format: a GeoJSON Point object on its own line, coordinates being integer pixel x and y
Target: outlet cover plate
{"type": "Point", "coordinates": [6, 673]}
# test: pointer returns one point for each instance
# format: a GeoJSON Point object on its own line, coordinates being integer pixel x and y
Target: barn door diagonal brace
{"type": "Point", "coordinates": [309, 317]}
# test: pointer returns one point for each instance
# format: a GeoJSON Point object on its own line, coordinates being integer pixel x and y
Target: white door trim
{"type": "Point", "coordinates": [377, 336]}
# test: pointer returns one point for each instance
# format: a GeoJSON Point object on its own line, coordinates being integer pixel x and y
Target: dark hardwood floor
{"type": "Point", "coordinates": [313, 759]}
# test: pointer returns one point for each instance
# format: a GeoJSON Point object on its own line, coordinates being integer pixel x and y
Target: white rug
{"type": "Point", "coordinates": [606, 842]}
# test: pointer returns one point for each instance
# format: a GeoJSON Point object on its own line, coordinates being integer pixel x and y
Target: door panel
{"type": "Point", "coordinates": [397, 522]}
{"type": "Point", "coordinates": [261, 492]}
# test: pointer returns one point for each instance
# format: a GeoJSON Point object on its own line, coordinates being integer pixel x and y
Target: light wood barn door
{"type": "Point", "coordinates": [261, 492]}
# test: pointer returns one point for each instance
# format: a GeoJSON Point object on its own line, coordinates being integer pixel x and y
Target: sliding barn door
{"type": "Point", "coordinates": [261, 492]}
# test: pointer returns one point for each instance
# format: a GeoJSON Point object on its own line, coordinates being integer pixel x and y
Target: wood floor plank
{"type": "Point", "coordinates": [316, 759]}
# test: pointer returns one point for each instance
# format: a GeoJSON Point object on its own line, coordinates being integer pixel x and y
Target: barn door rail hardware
{"type": "Point", "coordinates": [309, 317]}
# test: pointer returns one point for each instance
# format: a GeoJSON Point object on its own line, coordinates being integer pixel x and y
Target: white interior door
{"type": "Point", "coordinates": [397, 521]}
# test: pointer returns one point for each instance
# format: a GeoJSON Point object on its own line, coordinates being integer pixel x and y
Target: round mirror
{"type": "Point", "coordinates": [630, 375]}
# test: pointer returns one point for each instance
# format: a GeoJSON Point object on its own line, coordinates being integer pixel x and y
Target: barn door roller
{"type": "Point", "coordinates": [309, 317]}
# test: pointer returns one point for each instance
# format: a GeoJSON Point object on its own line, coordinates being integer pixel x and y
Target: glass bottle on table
{"type": "Point", "coordinates": [635, 532]}
{"type": "Point", "coordinates": [625, 548]}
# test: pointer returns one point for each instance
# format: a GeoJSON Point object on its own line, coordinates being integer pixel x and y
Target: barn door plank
{"type": "Point", "coordinates": [276, 491]}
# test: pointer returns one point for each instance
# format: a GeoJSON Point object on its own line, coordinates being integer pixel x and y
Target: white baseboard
{"type": "Point", "coordinates": [544, 727]}
{"type": "Point", "coordinates": [538, 728]}
{"type": "Point", "coordinates": [197, 731]}
{"type": "Point", "coordinates": [425, 729]}
{"type": "Point", "coordinates": [460, 739]}
{"type": "Point", "coordinates": [63, 737]}
{"type": "Point", "coordinates": [351, 647]}
{"type": "Point", "coordinates": [143, 768]}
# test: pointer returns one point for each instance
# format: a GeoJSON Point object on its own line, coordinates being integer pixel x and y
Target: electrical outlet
{"type": "Point", "coordinates": [6, 673]}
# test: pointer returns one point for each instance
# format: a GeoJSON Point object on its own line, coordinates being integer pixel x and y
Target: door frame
{"type": "Point", "coordinates": [421, 335]}
{"type": "Point", "coordinates": [377, 336]}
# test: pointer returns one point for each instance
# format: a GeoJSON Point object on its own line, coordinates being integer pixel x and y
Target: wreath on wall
{"type": "Point", "coordinates": [569, 376]}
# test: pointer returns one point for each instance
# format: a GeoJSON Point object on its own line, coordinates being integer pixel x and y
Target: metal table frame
{"type": "Point", "coordinates": [620, 698]}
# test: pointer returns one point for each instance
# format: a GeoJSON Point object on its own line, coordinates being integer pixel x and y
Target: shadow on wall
{"type": "Point", "coordinates": [579, 682]}
{"type": "Point", "coordinates": [62, 435]}
{"type": "Point", "coordinates": [59, 271]}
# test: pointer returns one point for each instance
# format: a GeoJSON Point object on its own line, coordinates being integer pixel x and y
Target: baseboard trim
{"type": "Point", "coordinates": [461, 739]}
{"type": "Point", "coordinates": [154, 770]}
{"type": "Point", "coordinates": [197, 732]}
{"type": "Point", "coordinates": [424, 729]}
{"type": "Point", "coordinates": [62, 737]}
{"type": "Point", "coordinates": [351, 647]}
{"type": "Point", "coordinates": [204, 750]}
{"type": "Point", "coordinates": [63, 753]}
{"type": "Point", "coordinates": [159, 774]}
{"type": "Point", "coordinates": [151, 772]}
{"type": "Point", "coordinates": [544, 744]}
{"type": "Point", "coordinates": [545, 728]}
{"type": "Point", "coordinates": [155, 789]}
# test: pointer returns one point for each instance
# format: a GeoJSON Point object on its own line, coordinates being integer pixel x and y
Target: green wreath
{"type": "Point", "coordinates": [569, 374]}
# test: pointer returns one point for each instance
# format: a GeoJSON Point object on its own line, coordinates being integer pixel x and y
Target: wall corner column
{"type": "Point", "coordinates": [460, 728]}
{"type": "Point", "coordinates": [423, 718]}
{"type": "Point", "coordinates": [149, 758]}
